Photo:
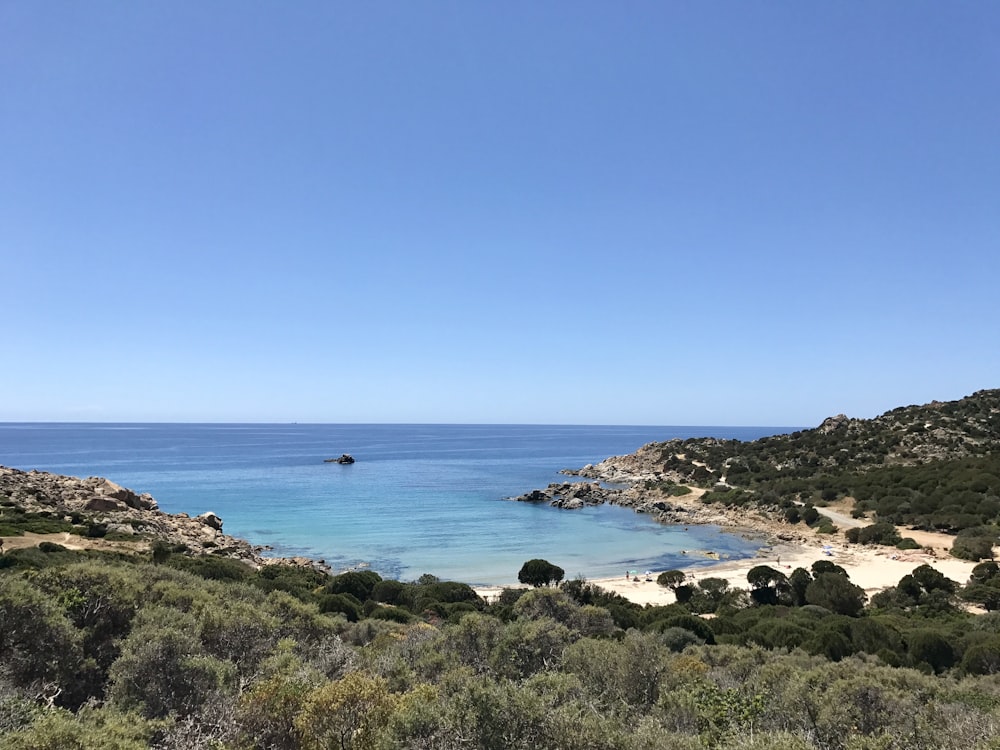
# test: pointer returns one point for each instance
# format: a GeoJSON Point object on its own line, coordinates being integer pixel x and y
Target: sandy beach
{"type": "Point", "coordinates": [872, 567]}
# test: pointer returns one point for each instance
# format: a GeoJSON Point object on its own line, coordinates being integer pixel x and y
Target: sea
{"type": "Point", "coordinates": [431, 498]}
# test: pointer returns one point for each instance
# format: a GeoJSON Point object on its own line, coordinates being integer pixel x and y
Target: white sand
{"type": "Point", "coordinates": [871, 567]}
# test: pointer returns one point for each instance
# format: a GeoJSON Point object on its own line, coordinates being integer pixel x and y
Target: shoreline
{"type": "Point", "coordinates": [779, 544]}
{"type": "Point", "coordinates": [785, 547]}
{"type": "Point", "coordinates": [873, 568]}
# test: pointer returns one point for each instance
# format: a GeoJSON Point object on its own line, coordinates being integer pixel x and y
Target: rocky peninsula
{"type": "Point", "coordinates": [99, 514]}
{"type": "Point", "coordinates": [624, 481]}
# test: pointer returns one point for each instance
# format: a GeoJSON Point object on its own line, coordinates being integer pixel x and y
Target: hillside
{"type": "Point", "coordinates": [935, 466]}
{"type": "Point", "coordinates": [173, 651]}
{"type": "Point", "coordinates": [906, 436]}
{"type": "Point", "coordinates": [142, 631]}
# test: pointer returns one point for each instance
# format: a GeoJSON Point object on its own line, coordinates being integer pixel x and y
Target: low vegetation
{"type": "Point", "coordinates": [934, 467]}
{"type": "Point", "coordinates": [101, 650]}
{"type": "Point", "coordinates": [173, 650]}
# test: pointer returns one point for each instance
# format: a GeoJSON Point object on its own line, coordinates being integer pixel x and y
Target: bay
{"type": "Point", "coordinates": [419, 499]}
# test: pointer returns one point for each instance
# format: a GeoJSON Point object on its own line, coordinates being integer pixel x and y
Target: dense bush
{"type": "Point", "coordinates": [540, 573]}
{"type": "Point", "coordinates": [877, 533]}
{"type": "Point", "coordinates": [975, 543]}
{"type": "Point", "coordinates": [107, 652]}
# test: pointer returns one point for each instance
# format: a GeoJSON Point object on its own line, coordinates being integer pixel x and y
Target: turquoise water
{"type": "Point", "coordinates": [420, 499]}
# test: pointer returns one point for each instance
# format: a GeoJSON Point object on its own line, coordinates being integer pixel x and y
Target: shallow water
{"type": "Point", "coordinates": [420, 499]}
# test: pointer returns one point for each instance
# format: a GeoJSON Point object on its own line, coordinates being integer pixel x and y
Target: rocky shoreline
{"type": "Point", "coordinates": [117, 510]}
{"type": "Point", "coordinates": [635, 481]}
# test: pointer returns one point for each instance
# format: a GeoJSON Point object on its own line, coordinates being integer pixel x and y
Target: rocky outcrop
{"type": "Point", "coordinates": [832, 424]}
{"type": "Point", "coordinates": [103, 503]}
{"type": "Point", "coordinates": [211, 520]}
{"type": "Point", "coordinates": [682, 511]}
{"type": "Point", "coordinates": [344, 458]}
{"type": "Point", "coordinates": [570, 495]}
{"type": "Point", "coordinates": [645, 465]}
{"type": "Point", "coordinates": [99, 501]}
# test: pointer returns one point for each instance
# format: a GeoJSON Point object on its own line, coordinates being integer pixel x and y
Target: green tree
{"type": "Point", "coordinates": [931, 647]}
{"type": "Point", "coordinates": [982, 658]}
{"type": "Point", "coordinates": [837, 594]}
{"type": "Point", "coordinates": [986, 596]}
{"type": "Point", "coordinates": [539, 572]}
{"type": "Point", "coordinates": [767, 584]}
{"type": "Point", "coordinates": [798, 582]}
{"type": "Point", "coordinates": [931, 579]}
{"type": "Point", "coordinates": [985, 571]}
{"type": "Point", "coordinates": [671, 579]}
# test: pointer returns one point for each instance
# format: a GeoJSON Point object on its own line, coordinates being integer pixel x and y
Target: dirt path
{"type": "Point", "coordinates": [842, 519]}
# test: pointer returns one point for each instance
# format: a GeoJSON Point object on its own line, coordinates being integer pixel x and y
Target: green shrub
{"type": "Point", "coordinates": [212, 568]}
{"type": "Point", "coordinates": [160, 551]}
{"type": "Point", "coordinates": [392, 614]}
{"type": "Point", "coordinates": [357, 583]}
{"type": "Point", "coordinates": [690, 623]}
{"type": "Point", "coordinates": [16, 521]}
{"type": "Point", "coordinates": [297, 580]}
{"type": "Point", "coordinates": [975, 544]}
{"type": "Point", "coordinates": [344, 604]}
{"type": "Point", "coordinates": [509, 597]}
{"type": "Point", "coordinates": [879, 533]}
{"type": "Point", "coordinates": [930, 647]}
{"type": "Point", "coordinates": [389, 592]}
{"type": "Point", "coordinates": [907, 543]}
{"type": "Point", "coordinates": [448, 592]}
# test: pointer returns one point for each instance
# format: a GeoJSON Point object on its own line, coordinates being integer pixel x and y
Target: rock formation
{"type": "Point", "coordinates": [344, 458]}
{"type": "Point", "coordinates": [98, 501]}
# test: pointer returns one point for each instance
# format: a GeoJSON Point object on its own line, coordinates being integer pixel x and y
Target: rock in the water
{"type": "Point", "coordinates": [344, 458]}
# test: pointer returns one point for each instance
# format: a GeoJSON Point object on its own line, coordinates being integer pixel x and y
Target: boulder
{"type": "Point", "coordinates": [535, 496]}
{"type": "Point", "coordinates": [211, 520]}
{"type": "Point", "coordinates": [99, 502]}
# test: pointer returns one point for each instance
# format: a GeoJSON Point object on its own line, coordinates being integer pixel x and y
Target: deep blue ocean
{"type": "Point", "coordinates": [419, 499]}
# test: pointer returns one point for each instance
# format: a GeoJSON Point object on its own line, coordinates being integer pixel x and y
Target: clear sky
{"type": "Point", "coordinates": [539, 212]}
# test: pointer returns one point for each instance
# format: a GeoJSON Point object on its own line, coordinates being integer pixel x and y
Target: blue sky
{"type": "Point", "coordinates": [537, 212]}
